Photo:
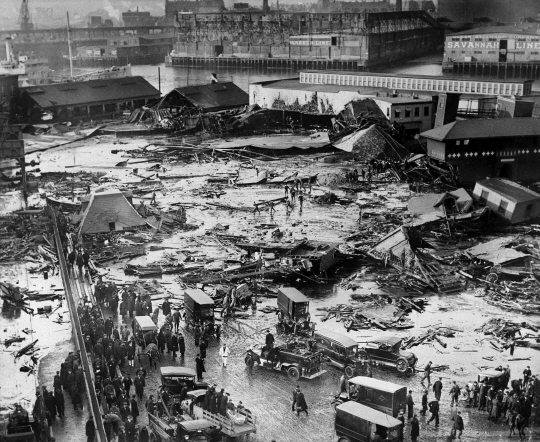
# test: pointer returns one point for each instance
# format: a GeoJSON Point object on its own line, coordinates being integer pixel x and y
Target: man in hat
{"type": "Point", "coordinates": [224, 353]}
{"type": "Point", "coordinates": [299, 401]}
{"type": "Point", "coordinates": [410, 405]}
{"type": "Point", "coordinates": [269, 340]}
{"type": "Point", "coordinates": [90, 429]}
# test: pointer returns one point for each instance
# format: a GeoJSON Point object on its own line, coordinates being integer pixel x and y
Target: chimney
{"type": "Point", "coordinates": [266, 9]}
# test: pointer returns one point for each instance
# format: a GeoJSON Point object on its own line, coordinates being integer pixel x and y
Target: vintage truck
{"type": "Point", "coordinates": [168, 429]}
{"type": "Point", "coordinates": [174, 379]}
{"type": "Point", "coordinates": [386, 397]}
{"type": "Point", "coordinates": [388, 352]}
{"type": "Point", "coordinates": [340, 351]}
{"type": "Point", "coordinates": [16, 426]}
{"type": "Point", "coordinates": [357, 423]}
{"type": "Point", "coordinates": [238, 423]}
{"type": "Point", "coordinates": [293, 358]}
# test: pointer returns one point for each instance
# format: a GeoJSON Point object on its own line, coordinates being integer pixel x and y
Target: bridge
{"type": "Point", "coordinates": [420, 83]}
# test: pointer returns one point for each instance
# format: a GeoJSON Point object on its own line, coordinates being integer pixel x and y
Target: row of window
{"type": "Point", "coordinates": [414, 83]}
{"type": "Point", "coordinates": [492, 39]}
{"type": "Point", "coordinates": [408, 110]}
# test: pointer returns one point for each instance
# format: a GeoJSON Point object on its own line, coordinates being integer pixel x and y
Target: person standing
{"type": "Point", "coordinates": [224, 353]}
{"type": "Point", "coordinates": [174, 345]}
{"type": "Point", "coordinates": [424, 403]}
{"type": "Point", "coordinates": [301, 200]}
{"type": "Point", "coordinates": [59, 402]}
{"type": "Point", "coordinates": [250, 364]}
{"type": "Point", "coordinates": [434, 410]}
{"type": "Point", "coordinates": [199, 367]}
{"type": "Point", "coordinates": [166, 307]}
{"type": "Point", "coordinates": [454, 393]}
{"type": "Point", "coordinates": [134, 408]}
{"type": "Point", "coordinates": [90, 429]}
{"type": "Point", "coordinates": [410, 405]}
{"type": "Point", "coordinates": [130, 429]}
{"type": "Point", "coordinates": [176, 319]}
{"type": "Point", "coordinates": [526, 375]}
{"type": "Point", "coordinates": [181, 345]}
{"type": "Point", "coordinates": [415, 429]}
{"type": "Point", "coordinates": [427, 373]}
{"type": "Point", "coordinates": [512, 347]}
{"type": "Point", "coordinates": [202, 347]}
{"type": "Point", "coordinates": [139, 383]}
{"type": "Point", "coordinates": [343, 383]}
{"type": "Point", "coordinates": [269, 340]}
{"type": "Point", "coordinates": [437, 389]}
{"type": "Point", "coordinates": [458, 425]}
{"type": "Point", "coordinates": [299, 402]}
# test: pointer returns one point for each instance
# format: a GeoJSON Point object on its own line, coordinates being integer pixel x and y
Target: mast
{"type": "Point", "coordinates": [69, 47]}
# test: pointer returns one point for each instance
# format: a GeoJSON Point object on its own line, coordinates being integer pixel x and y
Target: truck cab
{"type": "Point", "coordinates": [198, 306]}
{"type": "Point", "coordinates": [174, 379]}
{"type": "Point", "coordinates": [494, 378]}
{"type": "Point", "coordinates": [339, 350]}
{"type": "Point", "coordinates": [143, 326]}
{"type": "Point", "coordinates": [355, 422]}
{"type": "Point", "coordinates": [386, 397]}
{"type": "Point", "coordinates": [293, 304]}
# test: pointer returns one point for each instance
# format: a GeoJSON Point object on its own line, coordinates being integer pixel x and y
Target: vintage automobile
{"type": "Point", "coordinates": [198, 307]}
{"type": "Point", "coordinates": [175, 378]}
{"type": "Point", "coordinates": [164, 429]}
{"type": "Point", "coordinates": [386, 397]}
{"type": "Point", "coordinates": [495, 378]}
{"type": "Point", "coordinates": [17, 426]}
{"type": "Point", "coordinates": [357, 423]}
{"type": "Point", "coordinates": [235, 424]}
{"type": "Point", "coordinates": [340, 351]}
{"type": "Point", "coordinates": [388, 352]}
{"type": "Point", "coordinates": [293, 358]}
{"type": "Point", "coordinates": [144, 330]}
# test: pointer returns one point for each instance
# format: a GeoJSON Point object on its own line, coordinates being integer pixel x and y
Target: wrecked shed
{"type": "Point", "coordinates": [109, 211]}
{"type": "Point", "coordinates": [508, 199]}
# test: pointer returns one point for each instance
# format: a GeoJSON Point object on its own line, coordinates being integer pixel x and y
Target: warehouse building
{"type": "Point", "coordinates": [494, 44]}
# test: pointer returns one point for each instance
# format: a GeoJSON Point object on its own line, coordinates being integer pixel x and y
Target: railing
{"type": "Point", "coordinates": [79, 341]}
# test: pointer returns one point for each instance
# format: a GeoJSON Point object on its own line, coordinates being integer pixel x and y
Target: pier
{"type": "Point", "coordinates": [502, 71]}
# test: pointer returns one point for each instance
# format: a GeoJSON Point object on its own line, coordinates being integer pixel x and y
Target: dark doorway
{"type": "Point", "coordinates": [503, 51]}
{"type": "Point", "coordinates": [506, 171]}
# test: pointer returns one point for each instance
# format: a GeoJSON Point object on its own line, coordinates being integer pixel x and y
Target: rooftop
{"type": "Point", "coordinates": [215, 95]}
{"type": "Point", "coordinates": [509, 189]}
{"type": "Point", "coordinates": [489, 128]}
{"type": "Point", "coordinates": [521, 30]}
{"type": "Point", "coordinates": [91, 91]}
{"type": "Point", "coordinates": [404, 100]}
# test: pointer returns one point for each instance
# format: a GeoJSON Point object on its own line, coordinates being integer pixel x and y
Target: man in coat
{"type": "Point", "coordinates": [458, 425]}
{"type": "Point", "coordinates": [300, 402]}
{"type": "Point", "coordinates": [134, 408]}
{"type": "Point", "coordinates": [181, 345]}
{"type": "Point", "coordinates": [224, 353]}
{"type": "Point", "coordinates": [434, 410]}
{"type": "Point", "coordinates": [174, 345]}
{"type": "Point", "coordinates": [166, 307]}
{"type": "Point", "coordinates": [269, 340]}
{"type": "Point", "coordinates": [130, 429]}
{"type": "Point", "coordinates": [437, 389]}
{"type": "Point", "coordinates": [415, 429]}
{"type": "Point", "coordinates": [223, 404]}
{"type": "Point", "coordinates": [410, 405]}
{"type": "Point", "coordinates": [199, 367]}
{"type": "Point", "coordinates": [424, 403]}
{"type": "Point", "coordinates": [90, 429]}
{"type": "Point", "coordinates": [139, 383]}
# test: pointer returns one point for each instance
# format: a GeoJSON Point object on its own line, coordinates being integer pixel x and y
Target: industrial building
{"type": "Point", "coordinates": [505, 11]}
{"type": "Point", "coordinates": [86, 99]}
{"type": "Point", "coordinates": [363, 39]}
{"type": "Point", "coordinates": [494, 44]}
{"type": "Point", "coordinates": [506, 148]}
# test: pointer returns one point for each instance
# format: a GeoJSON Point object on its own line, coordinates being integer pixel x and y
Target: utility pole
{"type": "Point", "coordinates": [69, 47]}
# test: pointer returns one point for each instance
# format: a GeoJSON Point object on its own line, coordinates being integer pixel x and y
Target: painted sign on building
{"type": "Point", "coordinates": [527, 45]}
{"type": "Point", "coordinates": [472, 45]}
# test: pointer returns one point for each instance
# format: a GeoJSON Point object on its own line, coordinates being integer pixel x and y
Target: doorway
{"type": "Point", "coordinates": [503, 51]}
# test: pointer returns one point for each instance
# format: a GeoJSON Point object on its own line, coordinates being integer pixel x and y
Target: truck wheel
{"type": "Point", "coordinates": [246, 359]}
{"type": "Point", "coordinates": [349, 371]}
{"type": "Point", "coordinates": [293, 373]}
{"type": "Point", "coordinates": [344, 439]}
{"type": "Point", "coordinates": [402, 365]}
{"type": "Point", "coordinates": [363, 356]}
{"type": "Point", "coordinates": [335, 404]}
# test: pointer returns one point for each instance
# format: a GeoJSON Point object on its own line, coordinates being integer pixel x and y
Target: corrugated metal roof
{"type": "Point", "coordinates": [495, 128]}
{"type": "Point", "coordinates": [215, 96]}
{"type": "Point", "coordinates": [509, 189]}
{"type": "Point", "coordinates": [521, 30]}
{"type": "Point", "coordinates": [92, 91]}
{"type": "Point", "coordinates": [109, 207]}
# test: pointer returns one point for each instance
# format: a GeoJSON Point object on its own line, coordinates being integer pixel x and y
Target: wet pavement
{"type": "Point", "coordinates": [269, 394]}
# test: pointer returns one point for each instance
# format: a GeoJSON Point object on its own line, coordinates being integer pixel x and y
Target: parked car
{"type": "Point", "coordinates": [357, 423]}
{"type": "Point", "coordinates": [386, 397]}
{"type": "Point", "coordinates": [340, 351]}
{"type": "Point", "coordinates": [388, 352]}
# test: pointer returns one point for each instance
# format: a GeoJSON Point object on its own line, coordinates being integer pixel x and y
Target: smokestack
{"type": "Point", "coordinates": [399, 5]}
{"type": "Point", "coordinates": [266, 9]}
{"type": "Point", "coordinates": [9, 51]}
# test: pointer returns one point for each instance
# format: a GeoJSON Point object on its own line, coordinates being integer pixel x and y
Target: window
{"type": "Point", "coordinates": [416, 111]}
{"type": "Point", "coordinates": [397, 113]}
{"type": "Point", "coordinates": [492, 52]}
{"type": "Point", "coordinates": [477, 52]}
{"type": "Point", "coordinates": [387, 111]}
{"type": "Point", "coordinates": [426, 111]}
{"type": "Point", "coordinates": [484, 196]}
{"type": "Point", "coordinates": [534, 53]}
{"type": "Point", "coordinates": [112, 226]}
{"type": "Point", "coordinates": [502, 207]}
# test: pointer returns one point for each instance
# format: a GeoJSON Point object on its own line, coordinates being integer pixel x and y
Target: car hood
{"type": "Point", "coordinates": [407, 354]}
